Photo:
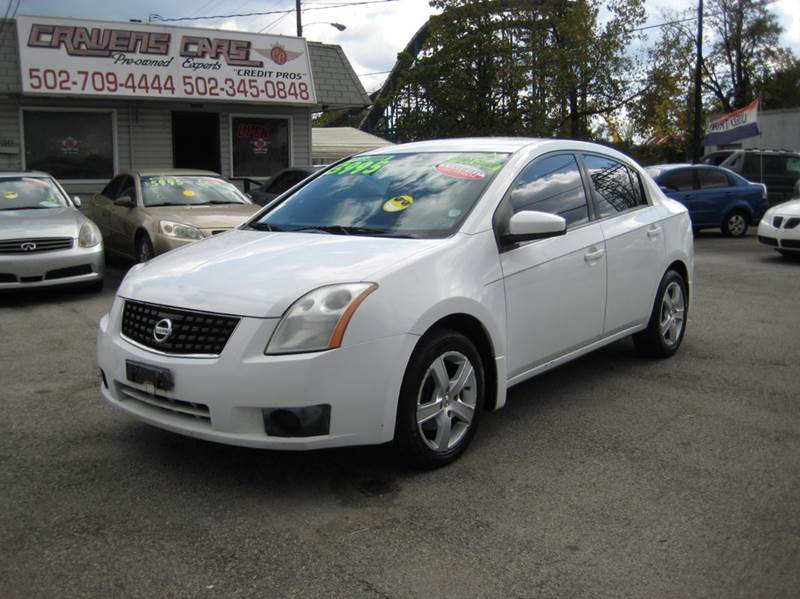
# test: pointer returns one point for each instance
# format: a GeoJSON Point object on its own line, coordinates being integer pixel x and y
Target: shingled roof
{"type": "Point", "coordinates": [336, 83]}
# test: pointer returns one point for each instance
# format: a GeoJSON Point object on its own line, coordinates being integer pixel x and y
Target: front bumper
{"type": "Point", "coordinates": [223, 398]}
{"type": "Point", "coordinates": [60, 267]}
{"type": "Point", "coordinates": [778, 237]}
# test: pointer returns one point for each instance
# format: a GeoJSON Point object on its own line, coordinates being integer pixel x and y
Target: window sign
{"type": "Point", "coordinates": [259, 146]}
{"type": "Point", "coordinates": [69, 144]}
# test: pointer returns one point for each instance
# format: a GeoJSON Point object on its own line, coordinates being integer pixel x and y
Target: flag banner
{"type": "Point", "coordinates": [734, 126]}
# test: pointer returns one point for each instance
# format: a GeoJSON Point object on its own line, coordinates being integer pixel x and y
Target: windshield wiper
{"type": "Point", "coordinates": [167, 204]}
{"type": "Point", "coordinates": [257, 226]}
{"type": "Point", "coordinates": [32, 208]}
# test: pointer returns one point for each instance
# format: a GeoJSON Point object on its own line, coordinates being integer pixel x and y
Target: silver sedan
{"type": "Point", "coordinates": [44, 239]}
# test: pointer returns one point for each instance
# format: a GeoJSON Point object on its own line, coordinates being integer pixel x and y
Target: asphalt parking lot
{"type": "Point", "coordinates": [613, 476]}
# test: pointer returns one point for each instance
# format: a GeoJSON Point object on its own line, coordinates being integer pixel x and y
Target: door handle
{"type": "Point", "coordinates": [592, 257]}
{"type": "Point", "coordinates": [654, 231]}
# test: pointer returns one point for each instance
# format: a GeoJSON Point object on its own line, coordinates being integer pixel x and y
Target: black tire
{"type": "Point", "coordinates": [788, 254]}
{"type": "Point", "coordinates": [144, 248]}
{"type": "Point", "coordinates": [654, 342]}
{"type": "Point", "coordinates": [735, 224]}
{"type": "Point", "coordinates": [416, 442]}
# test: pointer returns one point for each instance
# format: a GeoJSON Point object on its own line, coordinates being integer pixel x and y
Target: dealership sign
{"type": "Point", "coordinates": [132, 60]}
{"type": "Point", "coordinates": [734, 126]}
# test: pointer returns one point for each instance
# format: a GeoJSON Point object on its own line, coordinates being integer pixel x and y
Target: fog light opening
{"type": "Point", "coordinates": [307, 421]}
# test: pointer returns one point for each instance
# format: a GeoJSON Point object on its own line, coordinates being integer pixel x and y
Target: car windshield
{"type": "Point", "coordinates": [193, 190]}
{"type": "Point", "coordinates": [393, 195]}
{"type": "Point", "coordinates": [30, 193]}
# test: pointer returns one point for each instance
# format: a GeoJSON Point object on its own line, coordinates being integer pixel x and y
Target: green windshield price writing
{"type": "Point", "coordinates": [360, 166]}
{"type": "Point", "coordinates": [488, 162]}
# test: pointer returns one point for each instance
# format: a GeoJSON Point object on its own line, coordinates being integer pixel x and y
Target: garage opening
{"type": "Point", "coordinates": [195, 140]}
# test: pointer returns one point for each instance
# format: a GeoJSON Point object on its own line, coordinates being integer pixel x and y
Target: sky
{"type": "Point", "coordinates": [374, 33]}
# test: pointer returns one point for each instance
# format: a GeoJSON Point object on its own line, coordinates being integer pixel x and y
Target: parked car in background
{"type": "Point", "coordinates": [44, 239]}
{"type": "Point", "coordinates": [780, 227]}
{"type": "Point", "coordinates": [282, 181]}
{"type": "Point", "coordinates": [398, 294]}
{"type": "Point", "coordinates": [779, 170]}
{"type": "Point", "coordinates": [145, 213]}
{"type": "Point", "coordinates": [716, 158]}
{"type": "Point", "coordinates": [715, 196]}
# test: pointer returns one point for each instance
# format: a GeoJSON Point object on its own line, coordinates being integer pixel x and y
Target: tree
{"type": "Point", "coordinates": [781, 87]}
{"type": "Point", "coordinates": [746, 37]}
{"type": "Point", "coordinates": [497, 67]}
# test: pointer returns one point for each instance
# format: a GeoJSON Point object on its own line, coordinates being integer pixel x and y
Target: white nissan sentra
{"type": "Point", "coordinates": [398, 294]}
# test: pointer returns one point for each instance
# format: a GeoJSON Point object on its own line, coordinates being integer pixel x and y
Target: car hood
{"type": "Point", "coordinates": [790, 208]}
{"type": "Point", "coordinates": [213, 216]}
{"type": "Point", "coordinates": [260, 274]}
{"type": "Point", "coordinates": [33, 224]}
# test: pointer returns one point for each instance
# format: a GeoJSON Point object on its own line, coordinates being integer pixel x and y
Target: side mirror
{"type": "Point", "coordinates": [529, 225]}
{"type": "Point", "coordinates": [77, 201]}
{"type": "Point", "coordinates": [124, 201]}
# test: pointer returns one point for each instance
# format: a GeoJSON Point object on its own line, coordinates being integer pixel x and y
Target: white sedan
{"type": "Point", "coordinates": [397, 295]}
{"type": "Point", "coordinates": [780, 227]}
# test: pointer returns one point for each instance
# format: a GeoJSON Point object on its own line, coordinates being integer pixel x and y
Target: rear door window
{"type": "Point", "coordinates": [618, 186]}
{"type": "Point", "coordinates": [678, 180]}
{"type": "Point", "coordinates": [713, 179]}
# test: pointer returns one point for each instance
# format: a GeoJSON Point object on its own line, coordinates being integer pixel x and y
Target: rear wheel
{"type": "Point", "coordinates": [440, 400]}
{"type": "Point", "coordinates": [735, 224]}
{"type": "Point", "coordinates": [667, 324]}
{"type": "Point", "coordinates": [144, 248]}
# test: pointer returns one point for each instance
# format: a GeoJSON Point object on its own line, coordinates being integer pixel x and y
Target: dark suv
{"type": "Point", "coordinates": [778, 169]}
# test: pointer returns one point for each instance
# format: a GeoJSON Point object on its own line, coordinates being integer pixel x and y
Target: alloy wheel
{"type": "Point", "coordinates": [446, 401]}
{"type": "Point", "coordinates": [673, 308]}
{"type": "Point", "coordinates": [736, 225]}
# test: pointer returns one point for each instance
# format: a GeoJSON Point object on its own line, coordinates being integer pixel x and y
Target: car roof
{"type": "Point", "coordinates": [672, 167]}
{"type": "Point", "coordinates": [463, 144]}
{"type": "Point", "coordinates": [168, 172]}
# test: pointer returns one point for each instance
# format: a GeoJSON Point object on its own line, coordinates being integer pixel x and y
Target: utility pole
{"type": "Point", "coordinates": [300, 19]}
{"type": "Point", "coordinates": [698, 99]}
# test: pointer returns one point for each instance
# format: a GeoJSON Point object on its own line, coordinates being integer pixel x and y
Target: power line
{"type": "Point", "coordinates": [156, 17]}
{"type": "Point", "coordinates": [667, 23]}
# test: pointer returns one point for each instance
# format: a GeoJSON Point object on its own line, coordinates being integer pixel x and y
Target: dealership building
{"type": "Point", "coordinates": [83, 100]}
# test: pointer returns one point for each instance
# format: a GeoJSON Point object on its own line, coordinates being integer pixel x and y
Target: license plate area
{"type": "Point", "coordinates": [143, 374]}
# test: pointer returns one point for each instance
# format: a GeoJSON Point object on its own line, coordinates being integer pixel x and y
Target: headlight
{"type": "Point", "coordinates": [318, 320]}
{"type": "Point", "coordinates": [179, 230]}
{"type": "Point", "coordinates": [89, 235]}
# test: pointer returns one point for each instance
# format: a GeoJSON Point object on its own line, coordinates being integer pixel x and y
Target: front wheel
{"type": "Point", "coordinates": [144, 249]}
{"type": "Point", "coordinates": [735, 224]}
{"type": "Point", "coordinates": [440, 400]}
{"type": "Point", "coordinates": [667, 324]}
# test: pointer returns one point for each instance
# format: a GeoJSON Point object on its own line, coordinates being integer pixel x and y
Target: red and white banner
{"type": "Point", "coordinates": [734, 126]}
{"type": "Point", "coordinates": [134, 60]}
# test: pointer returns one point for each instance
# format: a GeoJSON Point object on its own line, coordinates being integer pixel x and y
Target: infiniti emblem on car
{"type": "Point", "coordinates": [28, 246]}
{"type": "Point", "coordinates": [162, 330]}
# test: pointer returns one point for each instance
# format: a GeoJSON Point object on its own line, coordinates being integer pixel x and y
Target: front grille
{"type": "Point", "coordinates": [7, 277]}
{"type": "Point", "coordinates": [777, 221]}
{"type": "Point", "coordinates": [168, 404]}
{"type": "Point", "coordinates": [192, 332]}
{"type": "Point", "coordinates": [32, 279]}
{"type": "Point", "coordinates": [790, 243]}
{"type": "Point", "coordinates": [28, 246]}
{"type": "Point", "coordinates": [768, 240]}
{"type": "Point", "coordinates": [791, 223]}
{"type": "Point", "coordinates": [72, 271]}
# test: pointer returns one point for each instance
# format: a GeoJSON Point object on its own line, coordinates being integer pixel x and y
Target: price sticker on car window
{"type": "Point", "coordinates": [398, 204]}
{"type": "Point", "coordinates": [11, 195]}
{"type": "Point", "coordinates": [189, 193]}
{"type": "Point", "coordinates": [368, 165]}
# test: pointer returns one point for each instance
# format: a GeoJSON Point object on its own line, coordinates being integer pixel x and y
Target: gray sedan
{"type": "Point", "coordinates": [44, 239]}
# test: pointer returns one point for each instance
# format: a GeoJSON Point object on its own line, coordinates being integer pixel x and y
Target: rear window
{"type": "Point", "coordinates": [407, 195]}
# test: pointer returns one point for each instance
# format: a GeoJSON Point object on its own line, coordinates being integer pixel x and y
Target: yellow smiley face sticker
{"type": "Point", "coordinates": [188, 193]}
{"type": "Point", "coordinates": [11, 195]}
{"type": "Point", "coordinates": [398, 204]}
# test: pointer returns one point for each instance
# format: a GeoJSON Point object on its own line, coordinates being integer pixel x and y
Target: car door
{"type": "Point", "coordinates": [716, 195]}
{"type": "Point", "coordinates": [555, 288]}
{"type": "Point", "coordinates": [99, 209]}
{"type": "Point", "coordinates": [120, 218]}
{"type": "Point", "coordinates": [634, 240]}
